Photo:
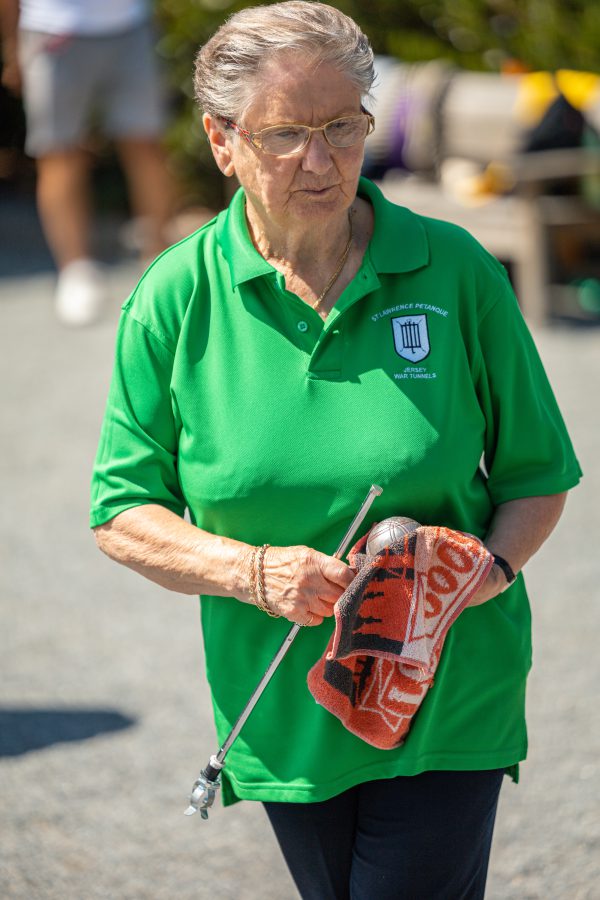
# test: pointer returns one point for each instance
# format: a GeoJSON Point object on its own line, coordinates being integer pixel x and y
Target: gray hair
{"type": "Point", "coordinates": [228, 66]}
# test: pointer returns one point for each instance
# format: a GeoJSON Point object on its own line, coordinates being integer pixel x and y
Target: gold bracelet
{"type": "Point", "coordinates": [261, 597]}
{"type": "Point", "coordinates": [252, 577]}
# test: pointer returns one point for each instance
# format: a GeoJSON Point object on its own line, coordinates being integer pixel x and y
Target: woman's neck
{"type": "Point", "coordinates": [309, 246]}
{"type": "Point", "coordinates": [307, 258]}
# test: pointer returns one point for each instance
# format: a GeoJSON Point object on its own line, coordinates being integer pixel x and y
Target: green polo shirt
{"type": "Point", "coordinates": [232, 397]}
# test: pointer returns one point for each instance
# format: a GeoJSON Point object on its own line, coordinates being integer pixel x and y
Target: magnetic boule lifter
{"type": "Point", "coordinates": [208, 783]}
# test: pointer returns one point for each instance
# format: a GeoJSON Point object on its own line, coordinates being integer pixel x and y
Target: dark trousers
{"type": "Point", "coordinates": [424, 837]}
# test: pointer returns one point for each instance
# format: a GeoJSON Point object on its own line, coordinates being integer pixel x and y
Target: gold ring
{"type": "Point", "coordinates": [309, 621]}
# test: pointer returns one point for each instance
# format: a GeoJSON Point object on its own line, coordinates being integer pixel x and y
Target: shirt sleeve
{"type": "Point", "coordinates": [136, 462]}
{"type": "Point", "coordinates": [528, 451]}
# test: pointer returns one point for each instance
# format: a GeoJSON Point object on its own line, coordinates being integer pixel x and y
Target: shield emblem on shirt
{"type": "Point", "coordinates": [411, 337]}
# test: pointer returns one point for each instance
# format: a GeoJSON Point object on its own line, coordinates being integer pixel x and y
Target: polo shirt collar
{"type": "Point", "coordinates": [244, 260]}
{"type": "Point", "coordinates": [398, 244]}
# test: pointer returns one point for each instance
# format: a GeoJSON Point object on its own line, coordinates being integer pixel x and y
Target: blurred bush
{"type": "Point", "coordinates": [488, 35]}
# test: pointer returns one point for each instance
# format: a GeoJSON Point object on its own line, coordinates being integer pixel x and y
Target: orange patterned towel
{"type": "Point", "coordinates": [390, 627]}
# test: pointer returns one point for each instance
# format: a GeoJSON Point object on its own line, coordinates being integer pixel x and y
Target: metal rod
{"type": "Point", "coordinates": [207, 783]}
{"type": "Point", "coordinates": [258, 690]}
{"type": "Point", "coordinates": [358, 519]}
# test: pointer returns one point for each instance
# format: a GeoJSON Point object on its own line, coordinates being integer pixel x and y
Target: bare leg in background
{"type": "Point", "coordinates": [150, 191]}
{"type": "Point", "coordinates": [64, 204]}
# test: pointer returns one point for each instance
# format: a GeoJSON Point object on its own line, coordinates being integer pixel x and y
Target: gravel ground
{"type": "Point", "coordinates": [104, 713]}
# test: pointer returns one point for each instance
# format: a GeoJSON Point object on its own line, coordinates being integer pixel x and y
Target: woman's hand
{"type": "Point", "coordinates": [493, 585]}
{"type": "Point", "coordinates": [302, 584]}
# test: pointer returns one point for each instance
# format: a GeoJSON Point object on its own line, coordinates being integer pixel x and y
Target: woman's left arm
{"type": "Point", "coordinates": [517, 530]}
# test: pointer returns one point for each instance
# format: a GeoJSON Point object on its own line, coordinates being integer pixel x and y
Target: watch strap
{"type": "Point", "coordinates": [506, 568]}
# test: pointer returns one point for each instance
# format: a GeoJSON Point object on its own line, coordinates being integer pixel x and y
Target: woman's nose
{"type": "Point", "coordinates": [317, 154]}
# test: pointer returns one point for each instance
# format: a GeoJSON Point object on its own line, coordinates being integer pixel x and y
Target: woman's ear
{"type": "Point", "coordinates": [219, 144]}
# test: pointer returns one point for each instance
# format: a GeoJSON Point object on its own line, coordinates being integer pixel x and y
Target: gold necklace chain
{"type": "Point", "coordinates": [340, 266]}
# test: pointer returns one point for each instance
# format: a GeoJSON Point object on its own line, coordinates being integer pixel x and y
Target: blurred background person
{"type": "Point", "coordinates": [82, 64]}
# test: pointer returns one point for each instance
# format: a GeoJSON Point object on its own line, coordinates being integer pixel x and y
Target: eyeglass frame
{"type": "Point", "coordinates": [249, 136]}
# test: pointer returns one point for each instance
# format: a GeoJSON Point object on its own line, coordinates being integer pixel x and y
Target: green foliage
{"type": "Point", "coordinates": [542, 34]}
{"type": "Point", "coordinates": [186, 25]}
{"type": "Point", "coordinates": [476, 34]}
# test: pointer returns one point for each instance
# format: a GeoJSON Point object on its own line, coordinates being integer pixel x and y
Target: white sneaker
{"type": "Point", "coordinates": [80, 293]}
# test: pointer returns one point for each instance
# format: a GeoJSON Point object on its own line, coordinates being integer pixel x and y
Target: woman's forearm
{"type": "Point", "coordinates": [299, 583]}
{"type": "Point", "coordinates": [171, 552]}
{"type": "Point", "coordinates": [517, 530]}
{"type": "Point", "coordinates": [520, 527]}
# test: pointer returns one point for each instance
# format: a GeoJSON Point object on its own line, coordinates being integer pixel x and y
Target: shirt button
{"type": "Point", "coordinates": [303, 327]}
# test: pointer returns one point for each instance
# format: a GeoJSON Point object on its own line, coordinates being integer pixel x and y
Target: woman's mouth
{"type": "Point", "coordinates": [318, 191]}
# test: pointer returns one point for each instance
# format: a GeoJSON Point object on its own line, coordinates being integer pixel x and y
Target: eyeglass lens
{"type": "Point", "coordinates": [289, 138]}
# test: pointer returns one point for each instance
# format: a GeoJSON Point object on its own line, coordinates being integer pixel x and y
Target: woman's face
{"type": "Point", "coordinates": [318, 183]}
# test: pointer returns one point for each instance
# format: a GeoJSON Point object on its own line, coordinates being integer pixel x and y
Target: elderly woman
{"type": "Point", "coordinates": [311, 339]}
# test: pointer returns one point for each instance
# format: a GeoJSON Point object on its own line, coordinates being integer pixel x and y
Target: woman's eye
{"type": "Point", "coordinates": [343, 126]}
{"type": "Point", "coordinates": [285, 133]}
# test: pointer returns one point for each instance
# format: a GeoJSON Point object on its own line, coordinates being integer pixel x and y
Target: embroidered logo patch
{"type": "Point", "coordinates": [411, 337]}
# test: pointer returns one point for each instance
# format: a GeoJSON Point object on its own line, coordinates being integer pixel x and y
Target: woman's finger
{"type": "Point", "coordinates": [320, 607]}
{"type": "Point", "coordinates": [310, 620]}
{"type": "Point", "coordinates": [334, 570]}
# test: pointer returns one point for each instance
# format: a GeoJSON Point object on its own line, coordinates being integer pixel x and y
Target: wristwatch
{"type": "Point", "coordinates": [502, 564]}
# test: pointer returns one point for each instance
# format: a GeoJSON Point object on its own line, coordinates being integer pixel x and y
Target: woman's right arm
{"type": "Point", "coordinates": [166, 549]}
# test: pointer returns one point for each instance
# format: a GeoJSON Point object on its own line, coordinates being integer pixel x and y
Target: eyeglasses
{"type": "Point", "coordinates": [285, 140]}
